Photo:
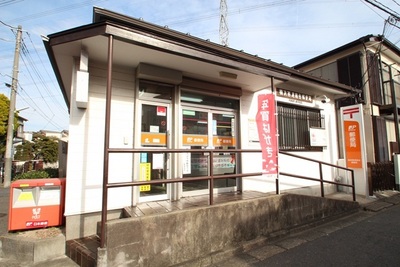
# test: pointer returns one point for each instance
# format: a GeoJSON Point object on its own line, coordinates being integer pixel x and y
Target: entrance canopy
{"type": "Point", "coordinates": [140, 42]}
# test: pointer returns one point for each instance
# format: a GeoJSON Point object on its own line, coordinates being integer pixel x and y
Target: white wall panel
{"type": "Point", "coordinates": [86, 144]}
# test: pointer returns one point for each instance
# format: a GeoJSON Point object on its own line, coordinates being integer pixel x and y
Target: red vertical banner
{"type": "Point", "coordinates": [266, 125]}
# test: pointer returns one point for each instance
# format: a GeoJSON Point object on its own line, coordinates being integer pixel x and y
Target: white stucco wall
{"type": "Point", "coordinates": [86, 144]}
{"type": "Point", "coordinates": [251, 162]}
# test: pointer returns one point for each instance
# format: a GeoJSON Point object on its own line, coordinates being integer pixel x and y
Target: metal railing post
{"type": "Point", "coordinates": [211, 187]}
{"type": "Point", "coordinates": [353, 185]}
{"type": "Point", "coordinates": [106, 141]}
{"type": "Point", "coordinates": [322, 180]}
{"type": "Point", "coordinates": [277, 185]}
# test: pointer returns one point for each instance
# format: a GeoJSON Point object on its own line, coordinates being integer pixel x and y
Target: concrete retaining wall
{"type": "Point", "coordinates": [187, 235]}
{"type": "Point", "coordinates": [32, 250]}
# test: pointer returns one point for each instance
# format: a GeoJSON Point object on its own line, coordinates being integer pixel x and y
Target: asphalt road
{"type": "Point", "coordinates": [364, 239]}
{"type": "Point", "coordinates": [4, 202]}
{"type": "Point", "coordinates": [374, 241]}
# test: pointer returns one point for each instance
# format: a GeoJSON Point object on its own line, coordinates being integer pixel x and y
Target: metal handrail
{"type": "Point", "coordinates": [210, 177]}
{"type": "Point", "coordinates": [320, 163]}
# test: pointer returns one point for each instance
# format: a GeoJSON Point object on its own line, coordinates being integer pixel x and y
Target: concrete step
{"type": "Point", "coordinates": [26, 249]}
{"type": "Point", "coordinates": [83, 251]}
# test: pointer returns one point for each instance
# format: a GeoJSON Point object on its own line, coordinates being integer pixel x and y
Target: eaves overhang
{"type": "Point", "coordinates": [363, 42]}
{"type": "Point", "coordinates": [144, 35]}
{"type": "Point", "coordinates": [100, 14]}
{"type": "Point", "coordinates": [68, 36]}
{"type": "Point", "coordinates": [165, 33]}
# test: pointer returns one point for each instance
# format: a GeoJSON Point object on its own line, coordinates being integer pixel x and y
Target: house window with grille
{"type": "Point", "coordinates": [294, 127]}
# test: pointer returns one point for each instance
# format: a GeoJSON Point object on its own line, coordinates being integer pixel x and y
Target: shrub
{"type": "Point", "coordinates": [32, 175]}
{"type": "Point", "coordinates": [52, 172]}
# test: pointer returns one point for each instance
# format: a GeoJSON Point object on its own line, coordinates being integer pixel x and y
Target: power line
{"type": "Point", "coordinates": [25, 55]}
{"type": "Point", "coordinates": [55, 100]}
{"type": "Point", "coordinates": [54, 11]}
{"type": "Point", "coordinates": [7, 25]}
{"type": "Point", "coordinates": [8, 2]}
{"type": "Point", "coordinates": [384, 8]}
{"type": "Point", "coordinates": [33, 71]}
{"type": "Point", "coordinates": [26, 97]}
{"type": "Point", "coordinates": [32, 103]}
{"type": "Point", "coordinates": [394, 1]}
{"type": "Point", "coordinates": [178, 20]}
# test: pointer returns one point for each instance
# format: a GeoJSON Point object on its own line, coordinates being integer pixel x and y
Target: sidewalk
{"type": "Point", "coordinates": [4, 202]}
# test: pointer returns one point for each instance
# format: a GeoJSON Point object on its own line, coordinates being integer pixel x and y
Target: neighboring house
{"type": "Point", "coordinates": [370, 64]}
{"type": "Point", "coordinates": [171, 90]}
{"type": "Point", "coordinates": [19, 136]}
{"type": "Point", "coordinates": [62, 139]}
{"type": "Point", "coordinates": [20, 130]}
{"type": "Point", "coordinates": [28, 136]}
{"type": "Point", "coordinates": [59, 135]}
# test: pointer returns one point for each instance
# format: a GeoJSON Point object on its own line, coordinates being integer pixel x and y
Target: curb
{"type": "Point", "coordinates": [31, 249]}
{"type": "Point", "coordinates": [384, 200]}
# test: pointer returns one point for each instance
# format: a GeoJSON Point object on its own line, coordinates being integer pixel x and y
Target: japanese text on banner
{"type": "Point", "coordinates": [266, 124]}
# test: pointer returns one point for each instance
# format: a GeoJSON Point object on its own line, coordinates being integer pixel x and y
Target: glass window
{"type": "Point", "coordinates": [155, 91]}
{"type": "Point", "coordinates": [387, 93]}
{"type": "Point", "coordinates": [207, 100]}
{"type": "Point", "coordinates": [195, 122]}
{"type": "Point", "coordinates": [294, 127]}
{"type": "Point", "coordinates": [385, 72]}
{"type": "Point", "coordinates": [154, 125]}
{"type": "Point", "coordinates": [224, 124]}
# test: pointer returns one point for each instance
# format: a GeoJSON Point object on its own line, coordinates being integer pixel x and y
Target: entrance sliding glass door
{"type": "Point", "coordinates": [224, 138]}
{"type": "Point", "coordinates": [202, 129]}
{"type": "Point", "coordinates": [154, 136]}
{"type": "Point", "coordinates": [195, 132]}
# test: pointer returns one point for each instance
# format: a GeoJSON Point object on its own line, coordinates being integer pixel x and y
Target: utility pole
{"type": "Point", "coordinates": [10, 126]}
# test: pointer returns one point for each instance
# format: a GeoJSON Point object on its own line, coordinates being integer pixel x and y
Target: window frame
{"type": "Point", "coordinates": [294, 123]}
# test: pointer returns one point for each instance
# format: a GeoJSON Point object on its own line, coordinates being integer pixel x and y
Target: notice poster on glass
{"type": "Point", "coordinates": [187, 162]}
{"type": "Point", "coordinates": [158, 161]}
{"type": "Point", "coordinates": [318, 137]}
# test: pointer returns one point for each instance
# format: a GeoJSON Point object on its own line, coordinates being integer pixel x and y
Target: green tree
{"type": "Point", "coordinates": [42, 147]}
{"type": "Point", "coordinates": [25, 151]}
{"type": "Point", "coordinates": [4, 110]}
{"type": "Point", "coordinates": [45, 148]}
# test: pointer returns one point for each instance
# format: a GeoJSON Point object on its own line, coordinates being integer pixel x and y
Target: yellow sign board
{"type": "Point", "coordinates": [145, 175]}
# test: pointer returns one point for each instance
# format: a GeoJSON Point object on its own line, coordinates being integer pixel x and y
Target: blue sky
{"type": "Point", "coordinates": [285, 31]}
